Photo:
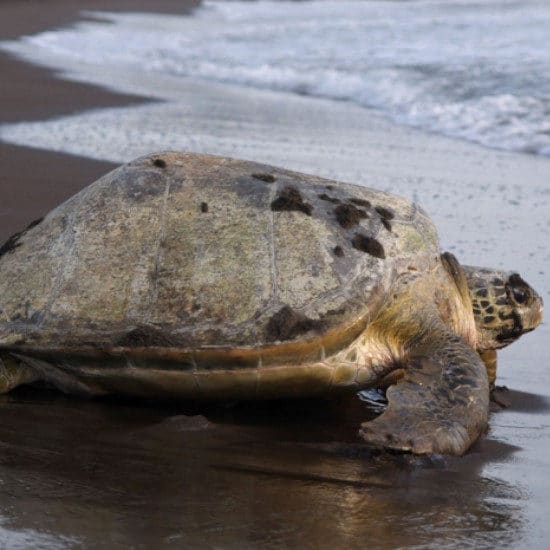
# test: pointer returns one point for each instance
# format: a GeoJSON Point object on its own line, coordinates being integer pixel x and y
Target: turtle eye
{"type": "Point", "coordinates": [520, 296]}
{"type": "Point", "coordinates": [519, 289]}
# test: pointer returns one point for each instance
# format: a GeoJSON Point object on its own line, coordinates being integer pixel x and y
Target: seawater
{"type": "Point", "coordinates": [469, 69]}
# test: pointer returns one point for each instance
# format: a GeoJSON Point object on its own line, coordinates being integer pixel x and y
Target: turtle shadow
{"type": "Point", "coordinates": [329, 425]}
{"type": "Point", "coordinates": [165, 465]}
{"type": "Point", "coordinates": [521, 401]}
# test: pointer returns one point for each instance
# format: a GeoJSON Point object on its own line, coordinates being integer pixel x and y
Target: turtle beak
{"type": "Point", "coordinates": [533, 317]}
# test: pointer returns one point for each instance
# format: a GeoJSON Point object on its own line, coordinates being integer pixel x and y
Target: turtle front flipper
{"type": "Point", "coordinates": [13, 373]}
{"type": "Point", "coordinates": [440, 405]}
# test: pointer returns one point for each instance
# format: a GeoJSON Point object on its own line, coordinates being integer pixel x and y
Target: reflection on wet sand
{"type": "Point", "coordinates": [261, 476]}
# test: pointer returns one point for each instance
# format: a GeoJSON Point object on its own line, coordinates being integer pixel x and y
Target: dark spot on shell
{"type": "Point", "coordinates": [147, 336]}
{"type": "Point", "coordinates": [369, 245]}
{"type": "Point", "coordinates": [290, 199]}
{"type": "Point", "coordinates": [490, 309]}
{"type": "Point", "coordinates": [325, 197]}
{"type": "Point", "coordinates": [497, 282]}
{"type": "Point", "coordinates": [349, 215]}
{"type": "Point", "coordinates": [386, 224]}
{"type": "Point", "coordinates": [287, 324]}
{"type": "Point", "coordinates": [360, 202]}
{"type": "Point", "coordinates": [159, 163]}
{"type": "Point", "coordinates": [385, 213]}
{"type": "Point", "coordinates": [268, 178]}
{"type": "Point", "coordinates": [477, 311]}
{"type": "Point", "coordinates": [338, 251]}
{"type": "Point", "coordinates": [488, 319]}
{"type": "Point", "coordinates": [482, 293]}
{"type": "Point", "coordinates": [484, 303]}
{"type": "Point", "coordinates": [204, 207]}
{"type": "Point", "coordinates": [13, 242]}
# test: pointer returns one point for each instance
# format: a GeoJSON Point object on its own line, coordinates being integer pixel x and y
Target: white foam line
{"type": "Point", "coordinates": [459, 69]}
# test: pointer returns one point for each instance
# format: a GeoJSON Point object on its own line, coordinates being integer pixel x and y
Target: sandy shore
{"type": "Point", "coordinates": [33, 181]}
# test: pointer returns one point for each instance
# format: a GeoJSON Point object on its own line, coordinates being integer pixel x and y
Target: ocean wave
{"type": "Point", "coordinates": [478, 71]}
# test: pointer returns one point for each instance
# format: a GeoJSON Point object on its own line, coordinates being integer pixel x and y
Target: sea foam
{"type": "Point", "coordinates": [478, 71]}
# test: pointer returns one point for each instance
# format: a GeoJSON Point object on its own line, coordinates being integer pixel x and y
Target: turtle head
{"type": "Point", "coordinates": [504, 305]}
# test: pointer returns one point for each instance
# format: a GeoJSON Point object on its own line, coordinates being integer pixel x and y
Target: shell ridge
{"type": "Point", "coordinates": [275, 289]}
{"type": "Point", "coordinates": [69, 236]}
{"type": "Point", "coordinates": [159, 250]}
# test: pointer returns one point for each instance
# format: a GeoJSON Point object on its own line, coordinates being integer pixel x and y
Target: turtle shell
{"type": "Point", "coordinates": [188, 251]}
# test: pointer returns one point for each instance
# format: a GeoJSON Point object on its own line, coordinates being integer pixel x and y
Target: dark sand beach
{"type": "Point", "coordinates": [121, 474]}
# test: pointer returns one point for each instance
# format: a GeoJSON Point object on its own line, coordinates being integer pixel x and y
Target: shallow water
{"type": "Point", "coordinates": [118, 474]}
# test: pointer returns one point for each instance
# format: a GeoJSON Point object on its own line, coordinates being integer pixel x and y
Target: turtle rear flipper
{"type": "Point", "coordinates": [13, 373]}
{"type": "Point", "coordinates": [441, 404]}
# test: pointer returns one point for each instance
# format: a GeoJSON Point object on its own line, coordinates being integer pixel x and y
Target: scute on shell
{"type": "Point", "coordinates": [192, 249]}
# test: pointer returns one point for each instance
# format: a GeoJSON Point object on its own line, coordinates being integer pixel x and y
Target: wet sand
{"type": "Point", "coordinates": [280, 475]}
{"type": "Point", "coordinates": [119, 474]}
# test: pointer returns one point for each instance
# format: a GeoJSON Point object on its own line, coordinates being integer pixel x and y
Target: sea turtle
{"type": "Point", "coordinates": [200, 277]}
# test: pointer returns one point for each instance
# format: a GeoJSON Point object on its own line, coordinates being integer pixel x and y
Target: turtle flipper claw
{"type": "Point", "coordinates": [411, 431]}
